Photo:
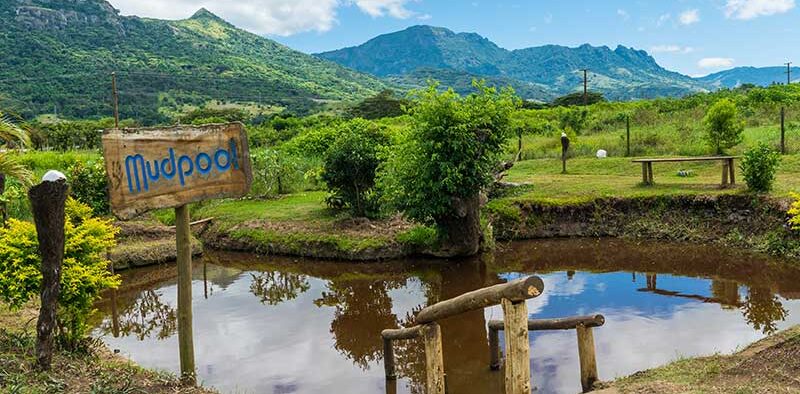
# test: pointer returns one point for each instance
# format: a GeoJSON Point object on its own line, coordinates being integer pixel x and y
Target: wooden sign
{"type": "Point", "coordinates": [168, 167]}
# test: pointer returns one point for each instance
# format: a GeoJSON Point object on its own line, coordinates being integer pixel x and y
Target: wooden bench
{"type": "Point", "coordinates": [728, 168]}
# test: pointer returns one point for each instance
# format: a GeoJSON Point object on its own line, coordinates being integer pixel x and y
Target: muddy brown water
{"type": "Point", "coordinates": [282, 325]}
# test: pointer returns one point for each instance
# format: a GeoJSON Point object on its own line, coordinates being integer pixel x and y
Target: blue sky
{"type": "Point", "coordinates": [694, 37]}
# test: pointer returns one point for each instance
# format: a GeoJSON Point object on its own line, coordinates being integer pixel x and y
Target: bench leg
{"type": "Point", "coordinates": [645, 178]}
{"type": "Point", "coordinates": [650, 174]}
{"type": "Point", "coordinates": [732, 170]}
{"type": "Point", "coordinates": [725, 173]}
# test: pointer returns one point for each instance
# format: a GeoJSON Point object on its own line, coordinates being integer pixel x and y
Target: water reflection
{"type": "Point", "coordinates": [277, 325]}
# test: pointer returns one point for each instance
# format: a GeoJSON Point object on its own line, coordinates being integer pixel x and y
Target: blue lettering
{"type": "Point", "coordinates": [207, 158]}
{"type": "Point", "coordinates": [171, 161]}
{"type": "Point", "coordinates": [222, 152]}
{"type": "Point", "coordinates": [136, 161]}
{"type": "Point", "coordinates": [183, 173]}
{"type": "Point", "coordinates": [150, 176]}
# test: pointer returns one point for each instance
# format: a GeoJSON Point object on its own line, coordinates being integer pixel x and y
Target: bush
{"type": "Point", "coordinates": [759, 166]}
{"type": "Point", "coordinates": [84, 272]}
{"type": "Point", "coordinates": [723, 126]}
{"type": "Point", "coordinates": [274, 172]}
{"type": "Point", "coordinates": [350, 165]}
{"type": "Point", "coordinates": [794, 212]}
{"type": "Point", "coordinates": [88, 184]}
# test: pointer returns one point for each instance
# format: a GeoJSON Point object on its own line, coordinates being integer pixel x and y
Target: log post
{"type": "Point", "coordinates": [434, 362]}
{"type": "Point", "coordinates": [783, 130]}
{"type": "Point", "coordinates": [725, 173]}
{"type": "Point", "coordinates": [628, 136]}
{"type": "Point", "coordinates": [494, 349]}
{"type": "Point", "coordinates": [645, 178]}
{"type": "Point", "coordinates": [650, 180]}
{"type": "Point", "coordinates": [587, 357]}
{"type": "Point", "coordinates": [732, 170]}
{"type": "Point", "coordinates": [388, 359]}
{"type": "Point", "coordinates": [185, 339]}
{"type": "Point", "coordinates": [518, 367]}
{"type": "Point", "coordinates": [47, 203]}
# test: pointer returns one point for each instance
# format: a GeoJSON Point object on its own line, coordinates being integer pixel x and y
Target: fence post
{"type": "Point", "coordinates": [185, 339]}
{"type": "Point", "coordinates": [47, 203]}
{"type": "Point", "coordinates": [494, 349]}
{"type": "Point", "coordinates": [783, 130]}
{"type": "Point", "coordinates": [518, 367]}
{"type": "Point", "coordinates": [388, 359]}
{"type": "Point", "coordinates": [587, 358]}
{"type": "Point", "coordinates": [628, 134]}
{"type": "Point", "coordinates": [434, 362]}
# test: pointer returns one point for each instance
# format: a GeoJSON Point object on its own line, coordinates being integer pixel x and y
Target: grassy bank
{"type": "Point", "coordinates": [767, 366]}
{"type": "Point", "coordinates": [94, 370]}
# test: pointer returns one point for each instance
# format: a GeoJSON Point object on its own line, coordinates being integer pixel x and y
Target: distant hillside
{"type": "Point", "coordinates": [762, 76]}
{"type": "Point", "coordinates": [552, 70]}
{"type": "Point", "coordinates": [56, 56]}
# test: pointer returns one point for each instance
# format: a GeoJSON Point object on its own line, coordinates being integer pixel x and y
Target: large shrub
{"type": "Point", "coordinates": [274, 172]}
{"type": "Point", "coordinates": [723, 126]}
{"type": "Point", "coordinates": [794, 212]}
{"type": "Point", "coordinates": [758, 167]}
{"type": "Point", "coordinates": [89, 185]}
{"type": "Point", "coordinates": [449, 155]}
{"type": "Point", "coordinates": [84, 273]}
{"type": "Point", "coordinates": [350, 165]}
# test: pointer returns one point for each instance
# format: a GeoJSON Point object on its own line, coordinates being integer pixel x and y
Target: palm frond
{"type": "Point", "coordinates": [11, 132]}
{"type": "Point", "coordinates": [13, 168]}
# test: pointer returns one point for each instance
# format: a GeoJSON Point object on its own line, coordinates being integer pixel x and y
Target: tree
{"type": "Point", "coordinates": [723, 126]}
{"type": "Point", "coordinates": [350, 165]}
{"type": "Point", "coordinates": [576, 98]}
{"type": "Point", "coordinates": [437, 172]}
{"type": "Point", "coordinates": [383, 105]}
{"type": "Point", "coordinates": [11, 135]}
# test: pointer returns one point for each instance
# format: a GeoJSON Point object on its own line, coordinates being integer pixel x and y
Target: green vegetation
{"type": "Point", "coordinates": [794, 212]}
{"type": "Point", "coordinates": [723, 126]}
{"type": "Point", "coordinates": [350, 166]}
{"type": "Point", "coordinates": [758, 166]}
{"type": "Point", "coordinates": [449, 155]}
{"type": "Point", "coordinates": [84, 274]}
{"type": "Point", "coordinates": [163, 67]}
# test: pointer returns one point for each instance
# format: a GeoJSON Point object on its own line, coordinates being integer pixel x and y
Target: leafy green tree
{"type": "Point", "coordinates": [758, 167]}
{"type": "Point", "coordinates": [437, 172]}
{"type": "Point", "coordinates": [350, 166]}
{"type": "Point", "coordinates": [723, 126]}
{"type": "Point", "coordinates": [383, 105]}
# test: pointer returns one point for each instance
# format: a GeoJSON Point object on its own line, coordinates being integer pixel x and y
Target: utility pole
{"type": "Point", "coordinates": [585, 87]}
{"type": "Point", "coordinates": [115, 98]}
{"type": "Point", "coordinates": [788, 72]}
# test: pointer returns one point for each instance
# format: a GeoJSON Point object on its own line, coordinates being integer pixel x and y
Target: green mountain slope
{"type": "Point", "coordinates": [622, 73]}
{"type": "Point", "coordinates": [57, 55]}
{"type": "Point", "coordinates": [762, 76]}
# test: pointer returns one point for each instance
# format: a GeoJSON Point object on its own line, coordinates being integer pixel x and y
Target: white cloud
{"type": "Point", "coordinates": [671, 49]}
{"type": "Point", "coordinates": [715, 62]}
{"type": "Point", "coordinates": [749, 9]}
{"type": "Point", "coordinates": [276, 17]}
{"type": "Point", "coordinates": [689, 17]}
{"type": "Point", "coordinates": [424, 17]}
{"type": "Point", "coordinates": [624, 14]}
{"type": "Point", "coordinates": [664, 18]}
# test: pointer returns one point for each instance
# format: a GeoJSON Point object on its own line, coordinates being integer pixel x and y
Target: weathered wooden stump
{"type": "Point", "coordinates": [47, 203]}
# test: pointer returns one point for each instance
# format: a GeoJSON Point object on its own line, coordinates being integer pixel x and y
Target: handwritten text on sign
{"type": "Point", "coordinates": [168, 167]}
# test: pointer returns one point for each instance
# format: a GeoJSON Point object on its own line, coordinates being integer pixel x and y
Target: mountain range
{"type": "Point", "coordinates": [411, 56]}
{"type": "Point", "coordinates": [56, 56]}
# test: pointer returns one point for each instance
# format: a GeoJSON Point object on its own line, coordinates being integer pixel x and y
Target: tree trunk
{"type": "Point", "coordinates": [462, 230]}
{"type": "Point", "coordinates": [47, 204]}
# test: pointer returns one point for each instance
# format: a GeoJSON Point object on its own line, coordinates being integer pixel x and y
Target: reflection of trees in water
{"type": "Point", "coordinates": [763, 309]}
{"type": "Point", "coordinates": [147, 315]}
{"type": "Point", "coordinates": [362, 309]}
{"type": "Point", "coordinates": [274, 287]}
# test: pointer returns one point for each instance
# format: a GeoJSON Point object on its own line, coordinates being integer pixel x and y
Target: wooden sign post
{"type": "Point", "coordinates": [171, 167]}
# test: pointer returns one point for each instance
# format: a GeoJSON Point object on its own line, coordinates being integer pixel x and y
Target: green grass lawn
{"type": "Point", "coordinates": [591, 178]}
{"type": "Point", "coordinates": [300, 207]}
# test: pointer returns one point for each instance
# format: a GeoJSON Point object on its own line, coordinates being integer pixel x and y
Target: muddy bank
{"type": "Point", "coordinates": [738, 221]}
{"type": "Point", "coordinates": [146, 243]}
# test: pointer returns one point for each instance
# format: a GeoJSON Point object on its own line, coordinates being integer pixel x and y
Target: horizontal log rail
{"type": "Point", "coordinates": [582, 324]}
{"type": "Point", "coordinates": [515, 291]}
{"type": "Point", "coordinates": [511, 295]}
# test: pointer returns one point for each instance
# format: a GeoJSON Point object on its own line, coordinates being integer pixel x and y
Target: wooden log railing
{"type": "Point", "coordinates": [582, 324]}
{"type": "Point", "coordinates": [511, 296]}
